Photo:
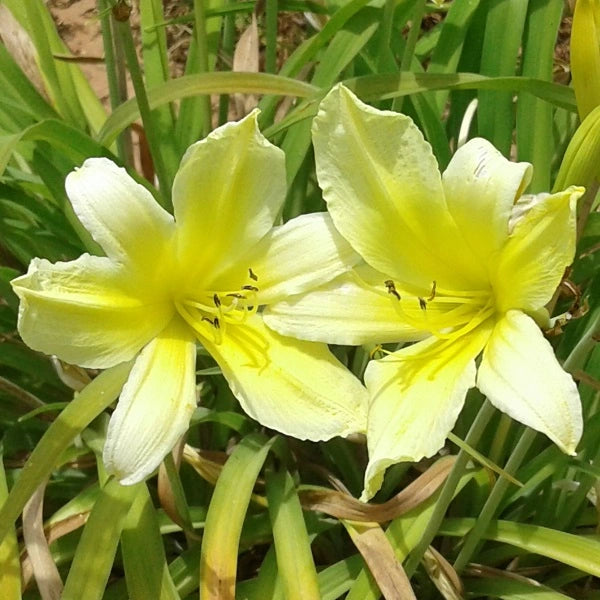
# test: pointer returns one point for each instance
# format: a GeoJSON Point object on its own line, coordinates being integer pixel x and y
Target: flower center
{"type": "Point", "coordinates": [446, 314]}
{"type": "Point", "coordinates": [210, 312]}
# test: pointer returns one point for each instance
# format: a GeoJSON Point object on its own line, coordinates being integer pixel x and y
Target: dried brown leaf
{"type": "Point", "coordinates": [344, 506]}
{"type": "Point", "coordinates": [377, 552]}
{"type": "Point", "coordinates": [44, 569]}
{"type": "Point", "coordinates": [443, 575]}
{"type": "Point", "coordinates": [246, 59]}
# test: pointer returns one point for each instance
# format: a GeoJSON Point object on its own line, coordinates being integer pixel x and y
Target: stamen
{"type": "Point", "coordinates": [422, 303]}
{"type": "Point", "coordinates": [432, 295]}
{"type": "Point", "coordinates": [219, 309]}
{"type": "Point", "coordinates": [391, 288]}
{"type": "Point", "coordinates": [378, 348]}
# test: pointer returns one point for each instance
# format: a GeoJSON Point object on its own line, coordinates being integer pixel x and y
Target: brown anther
{"type": "Point", "coordinates": [250, 288]}
{"type": "Point", "coordinates": [252, 275]}
{"type": "Point", "coordinates": [236, 295]}
{"type": "Point", "coordinates": [391, 288]}
{"type": "Point", "coordinates": [422, 303]}
{"type": "Point", "coordinates": [217, 323]}
{"type": "Point", "coordinates": [217, 300]}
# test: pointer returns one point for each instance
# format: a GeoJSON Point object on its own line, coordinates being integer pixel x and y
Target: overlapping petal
{"type": "Point", "coordinates": [121, 215]}
{"type": "Point", "coordinates": [417, 394]}
{"type": "Point", "coordinates": [226, 194]}
{"type": "Point", "coordinates": [384, 192]}
{"type": "Point", "coordinates": [87, 312]}
{"type": "Point", "coordinates": [296, 387]}
{"type": "Point", "coordinates": [343, 311]}
{"type": "Point", "coordinates": [302, 254]}
{"type": "Point", "coordinates": [155, 406]}
{"type": "Point", "coordinates": [481, 187]}
{"type": "Point", "coordinates": [521, 377]}
{"type": "Point", "coordinates": [540, 247]}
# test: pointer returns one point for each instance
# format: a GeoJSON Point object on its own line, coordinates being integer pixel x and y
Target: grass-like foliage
{"type": "Point", "coordinates": [160, 333]}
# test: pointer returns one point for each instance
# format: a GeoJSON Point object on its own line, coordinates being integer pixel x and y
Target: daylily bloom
{"type": "Point", "coordinates": [167, 283]}
{"type": "Point", "coordinates": [462, 263]}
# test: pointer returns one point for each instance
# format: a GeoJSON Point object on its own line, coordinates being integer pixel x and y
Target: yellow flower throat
{"type": "Point", "coordinates": [446, 314]}
{"type": "Point", "coordinates": [210, 312]}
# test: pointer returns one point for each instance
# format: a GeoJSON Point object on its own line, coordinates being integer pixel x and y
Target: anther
{"type": "Point", "coordinates": [422, 303]}
{"type": "Point", "coordinates": [216, 323]}
{"type": "Point", "coordinates": [432, 295]}
{"type": "Point", "coordinates": [217, 301]}
{"type": "Point", "coordinates": [252, 275]}
{"type": "Point", "coordinates": [391, 288]}
{"type": "Point", "coordinates": [250, 288]}
{"type": "Point", "coordinates": [236, 295]}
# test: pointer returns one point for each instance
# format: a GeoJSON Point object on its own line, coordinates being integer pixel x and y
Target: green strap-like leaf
{"type": "Point", "coordinates": [292, 545]}
{"type": "Point", "coordinates": [203, 83]}
{"type": "Point", "coordinates": [97, 547]}
{"type": "Point", "coordinates": [85, 407]}
{"type": "Point", "coordinates": [144, 559]}
{"type": "Point", "coordinates": [226, 513]}
{"type": "Point", "coordinates": [578, 551]}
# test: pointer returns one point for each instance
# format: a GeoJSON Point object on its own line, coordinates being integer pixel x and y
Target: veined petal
{"type": "Point", "coordinates": [155, 406]}
{"type": "Point", "coordinates": [416, 396]}
{"type": "Point", "coordinates": [481, 188]}
{"type": "Point", "coordinates": [296, 387]}
{"type": "Point", "coordinates": [344, 311]}
{"type": "Point", "coordinates": [228, 190]}
{"type": "Point", "coordinates": [86, 311]}
{"type": "Point", "coordinates": [521, 377]}
{"type": "Point", "coordinates": [384, 192]}
{"type": "Point", "coordinates": [540, 247]}
{"type": "Point", "coordinates": [300, 255]}
{"type": "Point", "coordinates": [121, 215]}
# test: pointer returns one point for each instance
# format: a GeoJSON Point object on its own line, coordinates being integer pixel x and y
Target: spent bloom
{"type": "Point", "coordinates": [462, 263]}
{"type": "Point", "coordinates": [168, 282]}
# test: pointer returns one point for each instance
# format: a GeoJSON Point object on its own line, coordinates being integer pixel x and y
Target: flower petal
{"type": "Point", "coordinates": [540, 247]}
{"type": "Point", "coordinates": [227, 193]}
{"type": "Point", "coordinates": [384, 192]}
{"type": "Point", "coordinates": [155, 406]}
{"type": "Point", "coordinates": [302, 254]}
{"type": "Point", "coordinates": [298, 388]}
{"type": "Point", "coordinates": [417, 394]}
{"type": "Point", "coordinates": [121, 215]}
{"type": "Point", "coordinates": [521, 376]}
{"type": "Point", "coordinates": [344, 311]}
{"type": "Point", "coordinates": [481, 187]}
{"type": "Point", "coordinates": [86, 312]}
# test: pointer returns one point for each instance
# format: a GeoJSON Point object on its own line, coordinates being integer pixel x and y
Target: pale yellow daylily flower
{"type": "Point", "coordinates": [166, 283]}
{"type": "Point", "coordinates": [463, 260]}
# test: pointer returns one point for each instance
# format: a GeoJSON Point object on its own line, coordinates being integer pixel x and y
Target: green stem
{"type": "Point", "coordinates": [496, 453]}
{"type": "Point", "coordinates": [202, 57]}
{"type": "Point", "coordinates": [488, 512]}
{"type": "Point", "coordinates": [441, 506]}
{"type": "Point", "coordinates": [111, 71]}
{"type": "Point", "coordinates": [411, 42]}
{"type": "Point", "coordinates": [142, 100]}
{"type": "Point", "coordinates": [387, 23]}
{"type": "Point", "coordinates": [577, 358]}
{"type": "Point", "coordinates": [181, 504]}
{"type": "Point", "coordinates": [227, 47]}
{"type": "Point", "coordinates": [271, 36]}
